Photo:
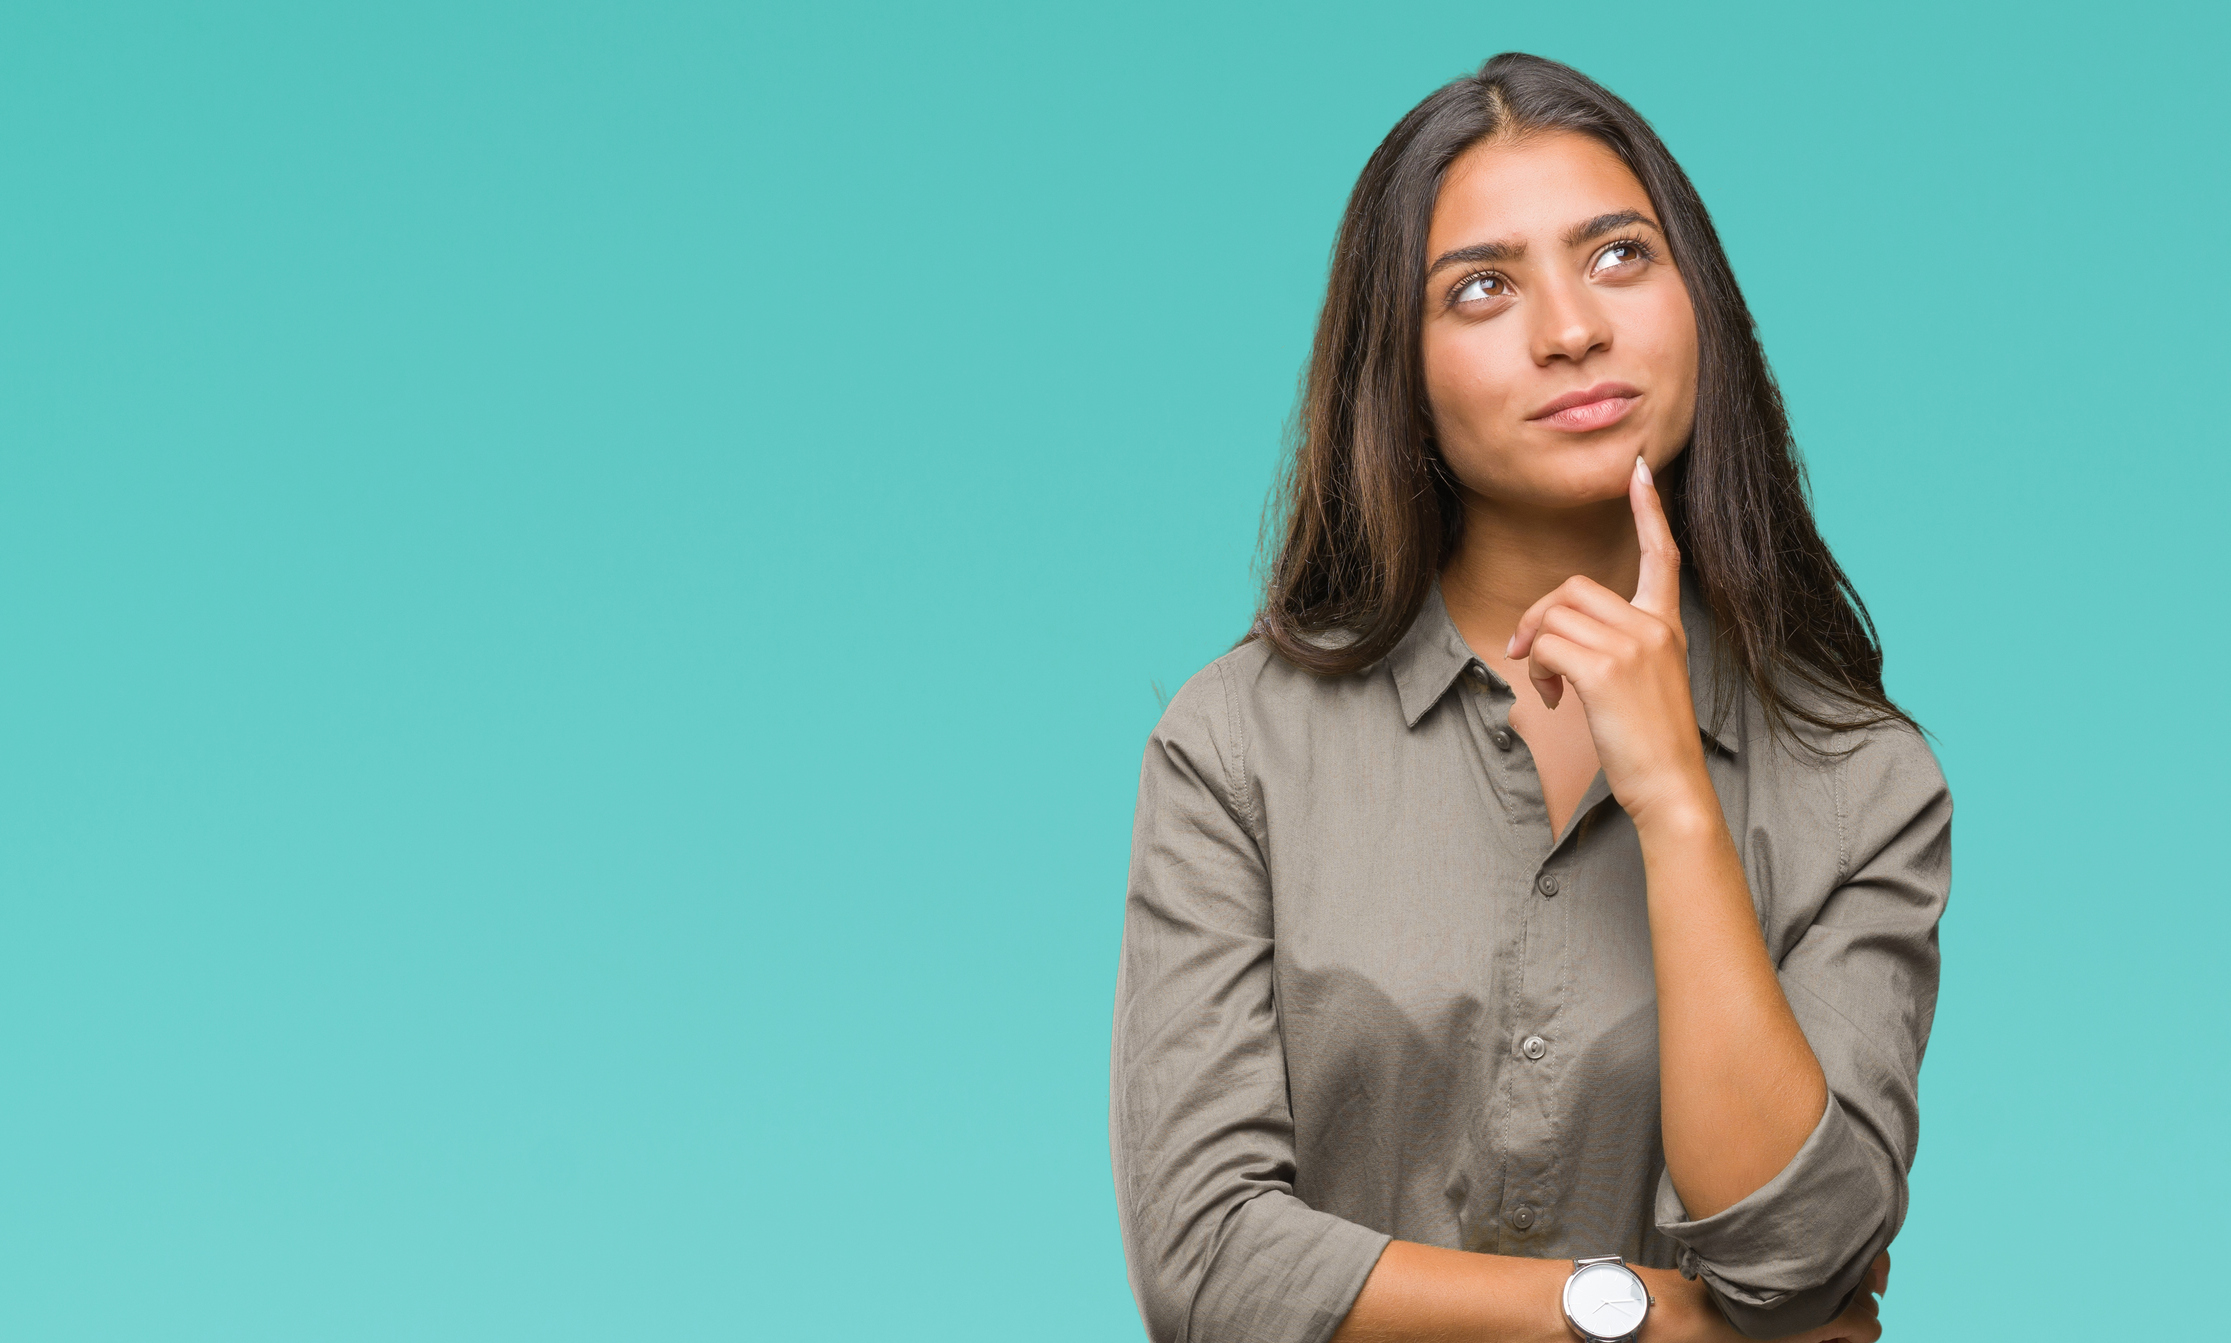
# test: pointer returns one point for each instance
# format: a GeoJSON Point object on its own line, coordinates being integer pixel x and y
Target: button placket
{"type": "Point", "coordinates": [1522, 1132]}
{"type": "Point", "coordinates": [1498, 733]}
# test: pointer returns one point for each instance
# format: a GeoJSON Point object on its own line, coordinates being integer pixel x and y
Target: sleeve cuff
{"type": "Point", "coordinates": [1787, 1246]}
{"type": "Point", "coordinates": [1286, 1274]}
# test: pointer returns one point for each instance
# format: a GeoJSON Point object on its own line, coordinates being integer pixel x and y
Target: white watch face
{"type": "Point", "coordinates": [1606, 1300]}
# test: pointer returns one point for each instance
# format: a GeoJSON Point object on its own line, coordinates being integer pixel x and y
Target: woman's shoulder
{"type": "Point", "coordinates": [1254, 688]}
{"type": "Point", "coordinates": [1891, 776]}
{"type": "Point", "coordinates": [1874, 742]}
{"type": "Point", "coordinates": [1867, 782]}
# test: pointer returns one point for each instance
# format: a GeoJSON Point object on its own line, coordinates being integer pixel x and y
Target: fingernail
{"type": "Point", "coordinates": [1510, 650]}
{"type": "Point", "coordinates": [1642, 468]}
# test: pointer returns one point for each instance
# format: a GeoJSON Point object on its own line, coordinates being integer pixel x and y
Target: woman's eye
{"type": "Point", "coordinates": [1482, 287]}
{"type": "Point", "coordinates": [1617, 255]}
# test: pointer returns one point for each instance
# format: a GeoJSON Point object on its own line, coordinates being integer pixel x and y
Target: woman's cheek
{"type": "Point", "coordinates": [1484, 382]}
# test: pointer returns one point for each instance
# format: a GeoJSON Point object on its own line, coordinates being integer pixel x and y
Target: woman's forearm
{"type": "Point", "coordinates": [1425, 1294]}
{"type": "Point", "coordinates": [1740, 1091]}
{"type": "Point", "coordinates": [1739, 1087]}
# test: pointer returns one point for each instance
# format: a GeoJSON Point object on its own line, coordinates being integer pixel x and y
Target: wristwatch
{"type": "Point", "coordinates": [1605, 1301]}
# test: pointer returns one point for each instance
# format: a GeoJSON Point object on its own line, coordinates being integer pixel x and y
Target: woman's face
{"type": "Point", "coordinates": [1559, 340]}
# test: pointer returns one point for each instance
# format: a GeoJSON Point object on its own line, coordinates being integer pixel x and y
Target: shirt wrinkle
{"type": "Point", "coordinates": [1449, 1034]}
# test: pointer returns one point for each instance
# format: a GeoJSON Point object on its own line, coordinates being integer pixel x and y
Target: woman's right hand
{"type": "Point", "coordinates": [1685, 1313]}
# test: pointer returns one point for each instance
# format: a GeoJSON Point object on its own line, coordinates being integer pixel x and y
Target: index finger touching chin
{"type": "Point", "coordinates": [1658, 584]}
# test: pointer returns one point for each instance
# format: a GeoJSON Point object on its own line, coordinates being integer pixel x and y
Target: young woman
{"type": "Point", "coordinates": [1547, 877]}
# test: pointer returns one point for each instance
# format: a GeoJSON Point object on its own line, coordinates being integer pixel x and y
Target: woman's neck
{"type": "Point", "coordinates": [1511, 555]}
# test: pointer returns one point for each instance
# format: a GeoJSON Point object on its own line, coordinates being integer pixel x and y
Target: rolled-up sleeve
{"type": "Point", "coordinates": [1200, 1129]}
{"type": "Point", "coordinates": [1862, 982]}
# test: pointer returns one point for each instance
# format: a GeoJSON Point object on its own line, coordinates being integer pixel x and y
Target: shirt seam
{"type": "Point", "coordinates": [1243, 802]}
{"type": "Point", "coordinates": [1836, 788]}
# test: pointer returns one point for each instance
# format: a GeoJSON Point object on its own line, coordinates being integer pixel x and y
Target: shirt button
{"type": "Point", "coordinates": [1546, 883]}
{"type": "Point", "coordinates": [1502, 739]}
{"type": "Point", "coordinates": [1522, 1218]}
{"type": "Point", "coordinates": [1534, 1047]}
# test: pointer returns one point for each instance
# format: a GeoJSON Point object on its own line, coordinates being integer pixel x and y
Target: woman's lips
{"type": "Point", "coordinates": [1592, 414]}
{"type": "Point", "coordinates": [1599, 406]}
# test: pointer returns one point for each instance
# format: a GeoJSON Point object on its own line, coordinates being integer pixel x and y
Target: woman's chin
{"type": "Point", "coordinates": [1591, 477]}
{"type": "Point", "coordinates": [1560, 475]}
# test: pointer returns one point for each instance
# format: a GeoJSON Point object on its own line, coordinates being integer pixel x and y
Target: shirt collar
{"type": "Point", "coordinates": [1431, 655]}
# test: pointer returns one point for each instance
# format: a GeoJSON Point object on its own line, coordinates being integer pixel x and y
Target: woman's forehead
{"type": "Point", "coordinates": [1530, 189]}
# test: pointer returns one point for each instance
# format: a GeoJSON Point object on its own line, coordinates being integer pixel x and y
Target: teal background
{"type": "Point", "coordinates": [583, 586]}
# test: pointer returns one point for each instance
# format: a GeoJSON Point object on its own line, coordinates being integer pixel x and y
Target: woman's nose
{"type": "Point", "coordinates": [1569, 324]}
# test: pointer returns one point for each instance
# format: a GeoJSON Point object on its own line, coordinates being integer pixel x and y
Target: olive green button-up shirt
{"type": "Point", "coordinates": [1365, 993]}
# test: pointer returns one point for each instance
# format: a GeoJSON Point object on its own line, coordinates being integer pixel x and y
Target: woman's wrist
{"type": "Point", "coordinates": [1681, 1310]}
{"type": "Point", "coordinates": [1682, 813]}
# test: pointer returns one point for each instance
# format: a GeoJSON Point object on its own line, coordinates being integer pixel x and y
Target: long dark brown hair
{"type": "Point", "coordinates": [1367, 512]}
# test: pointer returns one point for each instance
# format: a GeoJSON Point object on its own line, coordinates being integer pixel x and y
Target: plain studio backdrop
{"type": "Point", "coordinates": [584, 586]}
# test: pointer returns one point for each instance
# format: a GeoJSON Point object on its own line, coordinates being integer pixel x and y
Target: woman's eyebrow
{"type": "Point", "coordinates": [1595, 228]}
{"type": "Point", "coordinates": [1490, 252]}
